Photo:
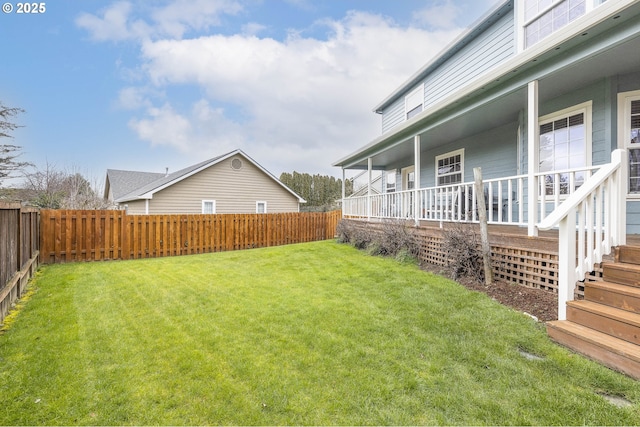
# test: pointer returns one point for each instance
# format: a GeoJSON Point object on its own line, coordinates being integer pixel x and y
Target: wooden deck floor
{"type": "Point", "coordinates": [517, 236]}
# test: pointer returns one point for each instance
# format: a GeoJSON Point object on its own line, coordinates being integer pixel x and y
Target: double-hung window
{"type": "Point", "coordinates": [413, 102]}
{"type": "Point", "coordinates": [261, 207]}
{"type": "Point", "coordinates": [629, 136]}
{"type": "Point", "coordinates": [450, 168]}
{"type": "Point", "coordinates": [390, 181]}
{"type": "Point", "coordinates": [565, 145]}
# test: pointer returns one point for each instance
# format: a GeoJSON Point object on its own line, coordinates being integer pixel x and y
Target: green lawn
{"type": "Point", "coordinates": [316, 333]}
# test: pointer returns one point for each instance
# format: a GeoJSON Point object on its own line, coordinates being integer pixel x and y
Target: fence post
{"type": "Point", "coordinates": [484, 232]}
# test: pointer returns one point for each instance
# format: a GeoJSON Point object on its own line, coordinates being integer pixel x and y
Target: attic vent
{"type": "Point", "coordinates": [236, 164]}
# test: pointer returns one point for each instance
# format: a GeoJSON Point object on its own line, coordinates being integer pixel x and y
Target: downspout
{"type": "Point", "coordinates": [416, 172]}
{"type": "Point", "coordinates": [533, 136]}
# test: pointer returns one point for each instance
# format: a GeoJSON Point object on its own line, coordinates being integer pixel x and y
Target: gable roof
{"type": "Point", "coordinates": [143, 185]}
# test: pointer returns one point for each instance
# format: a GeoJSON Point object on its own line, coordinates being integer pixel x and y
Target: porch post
{"type": "Point", "coordinates": [416, 172]}
{"type": "Point", "coordinates": [344, 192]}
{"type": "Point", "coordinates": [533, 136]}
{"type": "Point", "coordinates": [369, 192]}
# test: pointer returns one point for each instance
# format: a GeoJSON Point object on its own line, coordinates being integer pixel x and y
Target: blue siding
{"type": "Point", "coordinates": [486, 51]}
{"type": "Point", "coordinates": [495, 151]}
{"type": "Point", "coordinates": [393, 115]}
{"type": "Point", "coordinates": [491, 48]}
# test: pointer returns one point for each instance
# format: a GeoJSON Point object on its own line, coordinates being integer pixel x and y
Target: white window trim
{"type": "Point", "coordinates": [209, 201]}
{"type": "Point", "coordinates": [522, 24]}
{"type": "Point", "coordinates": [585, 108]}
{"type": "Point", "coordinates": [405, 178]}
{"type": "Point", "coordinates": [450, 154]}
{"type": "Point", "coordinates": [419, 92]}
{"type": "Point", "coordinates": [624, 123]}
{"type": "Point", "coordinates": [387, 174]}
{"type": "Point", "coordinates": [258, 203]}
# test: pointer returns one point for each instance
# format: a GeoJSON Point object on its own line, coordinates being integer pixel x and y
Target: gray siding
{"type": "Point", "coordinates": [492, 47]}
{"type": "Point", "coordinates": [234, 191]}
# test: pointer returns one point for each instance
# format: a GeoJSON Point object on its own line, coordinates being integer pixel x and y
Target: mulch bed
{"type": "Point", "coordinates": [536, 302]}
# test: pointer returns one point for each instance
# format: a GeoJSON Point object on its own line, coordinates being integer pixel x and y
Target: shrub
{"type": "Point", "coordinates": [392, 238]}
{"type": "Point", "coordinates": [461, 245]}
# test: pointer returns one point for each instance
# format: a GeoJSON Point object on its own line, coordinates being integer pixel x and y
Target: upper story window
{"type": "Point", "coordinates": [543, 17]}
{"type": "Point", "coordinates": [413, 102]}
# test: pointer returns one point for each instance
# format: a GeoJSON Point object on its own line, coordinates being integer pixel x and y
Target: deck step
{"type": "Point", "coordinates": [628, 254]}
{"type": "Point", "coordinates": [623, 273]}
{"type": "Point", "coordinates": [615, 353]}
{"type": "Point", "coordinates": [608, 320]}
{"type": "Point", "coordinates": [614, 295]}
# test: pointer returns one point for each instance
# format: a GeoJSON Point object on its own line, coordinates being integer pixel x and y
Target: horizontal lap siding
{"type": "Point", "coordinates": [492, 47]}
{"type": "Point", "coordinates": [234, 191]}
{"type": "Point", "coordinates": [104, 235]}
{"type": "Point", "coordinates": [485, 52]}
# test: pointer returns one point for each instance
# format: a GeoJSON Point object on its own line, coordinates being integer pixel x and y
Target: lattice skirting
{"type": "Point", "coordinates": [532, 267]}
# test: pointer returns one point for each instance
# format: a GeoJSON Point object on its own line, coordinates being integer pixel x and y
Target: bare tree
{"type": "Point", "coordinates": [9, 153]}
{"type": "Point", "coordinates": [53, 188]}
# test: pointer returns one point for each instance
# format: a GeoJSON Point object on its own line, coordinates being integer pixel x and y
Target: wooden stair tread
{"type": "Point", "coordinates": [612, 344]}
{"type": "Point", "coordinates": [614, 287]}
{"type": "Point", "coordinates": [607, 311]}
{"type": "Point", "coordinates": [628, 254]}
{"type": "Point", "coordinates": [624, 273]}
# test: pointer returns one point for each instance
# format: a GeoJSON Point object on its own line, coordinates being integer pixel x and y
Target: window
{"type": "Point", "coordinates": [450, 168]}
{"type": "Point", "coordinates": [261, 207]}
{"type": "Point", "coordinates": [208, 206]}
{"type": "Point", "coordinates": [543, 17]}
{"type": "Point", "coordinates": [390, 181]}
{"type": "Point", "coordinates": [565, 144]}
{"type": "Point", "coordinates": [629, 135]}
{"type": "Point", "coordinates": [413, 102]}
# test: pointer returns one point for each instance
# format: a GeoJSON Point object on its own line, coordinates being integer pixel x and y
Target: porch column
{"type": "Point", "coordinates": [416, 172]}
{"type": "Point", "coordinates": [344, 192]}
{"type": "Point", "coordinates": [533, 136]}
{"type": "Point", "coordinates": [369, 187]}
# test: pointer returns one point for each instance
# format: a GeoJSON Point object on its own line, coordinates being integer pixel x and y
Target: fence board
{"type": "Point", "coordinates": [68, 235]}
{"type": "Point", "coordinates": [19, 251]}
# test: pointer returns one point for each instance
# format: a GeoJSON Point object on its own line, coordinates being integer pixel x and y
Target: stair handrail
{"type": "Point", "coordinates": [600, 225]}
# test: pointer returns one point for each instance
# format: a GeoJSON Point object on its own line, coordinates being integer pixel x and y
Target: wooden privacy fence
{"type": "Point", "coordinates": [19, 231]}
{"type": "Point", "coordinates": [75, 235]}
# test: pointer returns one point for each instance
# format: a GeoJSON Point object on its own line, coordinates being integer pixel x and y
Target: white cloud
{"type": "Point", "coordinates": [305, 94]}
{"type": "Point", "coordinates": [117, 22]}
{"type": "Point", "coordinates": [300, 103]}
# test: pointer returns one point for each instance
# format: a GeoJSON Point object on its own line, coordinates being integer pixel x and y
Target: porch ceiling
{"type": "Point", "coordinates": [608, 50]}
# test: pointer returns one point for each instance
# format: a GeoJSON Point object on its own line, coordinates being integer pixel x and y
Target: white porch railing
{"type": "Point", "coordinates": [505, 199]}
{"type": "Point", "coordinates": [597, 211]}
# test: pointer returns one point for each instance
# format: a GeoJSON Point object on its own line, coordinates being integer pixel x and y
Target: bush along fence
{"type": "Point", "coordinates": [19, 251]}
{"type": "Point", "coordinates": [75, 235]}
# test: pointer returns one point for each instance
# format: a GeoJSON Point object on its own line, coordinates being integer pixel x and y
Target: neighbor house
{"type": "Point", "coordinates": [541, 98]}
{"type": "Point", "coordinates": [231, 183]}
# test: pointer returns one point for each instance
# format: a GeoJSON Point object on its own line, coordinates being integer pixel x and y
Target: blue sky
{"type": "Point", "coordinates": [144, 85]}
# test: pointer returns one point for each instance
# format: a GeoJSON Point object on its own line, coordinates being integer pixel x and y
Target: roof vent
{"type": "Point", "coordinates": [236, 164]}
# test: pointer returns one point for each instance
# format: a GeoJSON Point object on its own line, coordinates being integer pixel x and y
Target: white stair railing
{"type": "Point", "coordinates": [591, 221]}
